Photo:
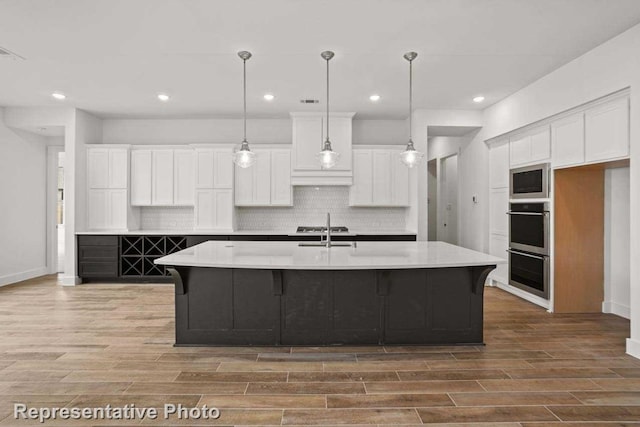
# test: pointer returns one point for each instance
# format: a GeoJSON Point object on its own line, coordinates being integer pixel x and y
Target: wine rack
{"type": "Point", "coordinates": [137, 254]}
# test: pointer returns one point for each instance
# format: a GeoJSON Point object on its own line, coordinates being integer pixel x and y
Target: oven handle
{"type": "Point", "coordinates": [542, 257]}
{"type": "Point", "coordinates": [545, 213]}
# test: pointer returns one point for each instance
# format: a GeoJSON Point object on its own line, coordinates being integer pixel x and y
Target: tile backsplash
{"type": "Point", "coordinates": [310, 206]}
{"type": "Point", "coordinates": [166, 218]}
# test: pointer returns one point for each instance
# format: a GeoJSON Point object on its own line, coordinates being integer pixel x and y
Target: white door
{"type": "Point", "coordinates": [607, 131]}
{"type": "Point", "coordinates": [244, 186]}
{"type": "Point", "coordinates": [162, 178]}
{"type": "Point", "coordinates": [519, 150]}
{"type": "Point", "coordinates": [223, 205]}
{"type": "Point", "coordinates": [281, 190]}
{"type": "Point", "coordinates": [205, 215]}
{"type": "Point", "coordinates": [204, 168]}
{"type": "Point", "coordinates": [399, 181]}
{"type": "Point", "coordinates": [141, 177]}
{"type": "Point", "coordinates": [117, 206]}
{"type": "Point", "coordinates": [361, 192]}
{"type": "Point", "coordinates": [98, 209]}
{"type": "Point", "coordinates": [448, 224]}
{"type": "Point", "coordinates": [541, 145]}
{"type": "Point", "coordinates": [184, 177]}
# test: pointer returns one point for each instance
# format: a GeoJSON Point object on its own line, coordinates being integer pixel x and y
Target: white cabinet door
{"type": "Point", "coordinates": [244, 186]}
{"type": "Point", "coordinates": [499, 165]}
{"type": "Point", "coordinates": [540, 145]}
{"type": "Point", "coordinates": [98, 167]}
{"type": "Point", "coordinates": [307, 143]}
{"type": "Point", "coordinates": [117, 208]}
{"type": "Point", "coordinates": [607, 131]}
{"type": "Point", "coordinates": [340, 134]}
{"type": "Point", "coordinates": [381, 177]}
{"type": "Point", "coordinates": [214, 209]}
{"type": "Point", "coordinates": [361, 192]}
{"type": "Point", "coordinates": [141, 172]}
{"type": "Point", "coordinates": [498, 246]}
{"type": "Point", "coordinates": [162, 178]}
{"type": "Point", "coordinates": [567, 140]}
{"type": "Point", "coordinates": [262, 178]}
{"type": "Point", "coordinates": [223, 169]}
{"type": "Point", "coordinates": [118, 167]}
{"type": "Point", "coordinates": [498, 218]}
{"type": "Point", "coordinates": [281, 190]}
{"type": "Point", "coordinates": [223, 203]}
{"type": "Point", "coordinates": [184, 177]}
{"type": "Point", "coordinates": [519, 150]}
{"type": "Point", "coordinates": [204, 168]}
{"type": "Point", "coordinates": [98, 209]}
{"type": "Point", "coordinates": [399, 182]}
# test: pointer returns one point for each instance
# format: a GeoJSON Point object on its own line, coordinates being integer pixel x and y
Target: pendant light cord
{"type": "Point", "coordinates": [327, 100]}
{"type": "Point", "coordinates": [410, 98]}
{"type": "Point", "coordinates": [244, 96]}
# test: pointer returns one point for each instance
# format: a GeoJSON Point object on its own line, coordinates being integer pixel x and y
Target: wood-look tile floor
{"type": "Point", "coordinates": [92, 345]}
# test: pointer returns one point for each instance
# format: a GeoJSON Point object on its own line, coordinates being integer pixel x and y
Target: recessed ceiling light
{"type": "Point", "coordinates": [163, 97]}
{"type": "Point", "coordinates": [59, 96]}
{"type": "Point", "coordinates": [478, 99]}
{"type": "Point", "coordinates": [374, 98]}
{"type": "Point", "coordinates": [268, 97]}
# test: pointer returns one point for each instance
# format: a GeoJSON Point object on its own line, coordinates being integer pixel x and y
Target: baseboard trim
{"type": "Point", "coordinates": [617, 309]}
{"type": "Point", "coordinates": [522, 294]}
{"type": "Point", "coordinates": [633, 348]}
{"type": "Point", "coordinates": [10, 279]}
{"type": "Point", "coordinates": [69, 280]}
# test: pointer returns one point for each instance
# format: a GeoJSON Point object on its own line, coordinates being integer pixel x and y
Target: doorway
{"type": "Point", "coordinates": [432, 199]}
{"type": "Point", "coordinates": [447, 210]}
{"type": "Point", "coordinates": [55, 210]}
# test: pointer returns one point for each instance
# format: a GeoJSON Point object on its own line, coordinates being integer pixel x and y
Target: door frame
{"type": "Point", "coordinates": [51, 205]}
{"type": "Point", "coordinates": [440, 194]}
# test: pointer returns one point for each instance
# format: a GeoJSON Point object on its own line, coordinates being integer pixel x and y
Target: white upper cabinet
{"type": "Point", "coordinates": [267, 182]}
{"type": "Point", "coordinates": [361, 192]}
{"type": "Point", "coordinates": [379, 178]}
{"type": "Point", "coordinates": [567, 141]}
{"type": "Point", "coordinates": [214, 168]}
{"type": "Point", "coordinates": [533, 146]}
{"type": "Point", "coordinates": [214, 209]}
{"type": "Point", "coordinates": [607, 131]}
{"type": "Point", "coordinates": [309, 131]}
{"type": "Point", "coordinates": [499, 164]}
{"type": "Point", "coordinates": [162, 177]}
{"type": "Point", "coordinates": [107, 178]}
{"type": "Point", "coordinates": [281, 190]}
{"type": "Point", "coordinates": [107, 167]}
{"type": "Point", "coordinates": [184, 177]}
{"type": "Point", "coordinates": [141, 177]}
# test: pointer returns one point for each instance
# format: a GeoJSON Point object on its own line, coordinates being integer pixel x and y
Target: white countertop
{"type": "Point", "coordinates": [367, 255]}
{"type": "Point", "coordinates": [352, 232]}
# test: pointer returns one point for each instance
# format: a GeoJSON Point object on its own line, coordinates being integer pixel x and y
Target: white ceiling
{"type": "Point", "coordinates": [112, 57]}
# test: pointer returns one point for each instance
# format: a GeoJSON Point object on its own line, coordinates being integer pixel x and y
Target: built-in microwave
{"type": "Point", "coordinates": [530, 182]}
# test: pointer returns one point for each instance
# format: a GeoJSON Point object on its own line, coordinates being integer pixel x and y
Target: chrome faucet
{"type": "Point", "coordinates": [326, 242]}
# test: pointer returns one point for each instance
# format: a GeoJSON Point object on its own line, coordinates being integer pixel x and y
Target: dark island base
{"type": "Point", "coordinates": [219, 306]}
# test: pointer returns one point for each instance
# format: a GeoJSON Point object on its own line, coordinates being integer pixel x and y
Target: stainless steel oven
{"type": "Point", "coordinates": [529, 227]}
{"type": "Point", "coordinates": [530, 182]}
{"type": "Point", "coordinates": [529, 247]}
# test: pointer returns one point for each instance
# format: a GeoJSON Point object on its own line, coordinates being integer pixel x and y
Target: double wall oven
{"type": "Point", "coordinates": [529, 222]}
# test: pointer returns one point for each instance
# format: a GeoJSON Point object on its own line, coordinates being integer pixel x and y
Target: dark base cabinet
{"type": "Point", "coordinates": [220, 306]}
{"type": "Point", "coordinates": [98, 257]}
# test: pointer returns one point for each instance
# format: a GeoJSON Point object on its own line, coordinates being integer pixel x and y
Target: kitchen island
{"type": "Point", "coordinates": [280, 293]}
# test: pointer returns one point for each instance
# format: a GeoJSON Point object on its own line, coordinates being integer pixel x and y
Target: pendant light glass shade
{"type": "Point", "coordinates": [327, 157]}
{"type": "Point", "coordinates": [410, 156]}
{"type": "Point", "coordinates": [243, 156]}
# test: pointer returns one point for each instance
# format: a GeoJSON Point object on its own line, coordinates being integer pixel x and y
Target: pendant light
{"type": "Point", "coordinates": [244, 157]}
{"type": "Point", "coordinates": [327, 157]}
{"type": "Point", "coordinates": [410, 156]}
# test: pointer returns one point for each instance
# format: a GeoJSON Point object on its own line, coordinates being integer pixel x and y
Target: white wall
{"type": "Point", "coordinates": [23, 204]}
{"type": "Point", "coordinates": [608, 68]}
{"type": "Point", "coordinates": [259, 131]}
{"type": "Point", "coordinates": [616, 242]}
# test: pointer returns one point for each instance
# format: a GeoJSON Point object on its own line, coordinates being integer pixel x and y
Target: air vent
{"type": "Point", "coordinates": [7, 54]}
{"type": "Point", "coordinates": [309, 101]}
